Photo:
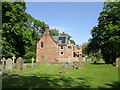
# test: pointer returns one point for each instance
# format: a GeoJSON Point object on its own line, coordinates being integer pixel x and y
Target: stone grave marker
{"type": "Point", "coordinates": [89, 60]}
{"type": "Point", "coordinates": [13, 58]}
{"type": "Point", "coordinates": [118, 62]}
{"type": "Point", "coordinates": [9, 66]}
{"type": "Point", "coordinates": [19, 64]}
{"type": "Point", "coordinates": [33, 62]}
{"type": "Point", "coordinates": [3, 63]}
{"type": "Point", "coordinates": [69, 65]}
{"type": "Point", "coordinates": [62, 69]}
{"type": "Point", "coordinates": [80, 65]}
{"type": "Point", "coordinates": [84, 59]}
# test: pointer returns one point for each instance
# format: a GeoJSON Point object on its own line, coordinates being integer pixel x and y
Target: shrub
{"type": "Point", "coordinates": [29, 56]}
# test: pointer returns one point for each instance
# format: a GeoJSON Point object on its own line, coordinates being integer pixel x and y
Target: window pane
{"type": "Point", "coordinates": [61, 47]}
{"type": "Point", "coordinates": [69, 47]}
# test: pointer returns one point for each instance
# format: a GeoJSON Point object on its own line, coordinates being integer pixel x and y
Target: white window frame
{"type": "Point", "coordinates": [61, 54]}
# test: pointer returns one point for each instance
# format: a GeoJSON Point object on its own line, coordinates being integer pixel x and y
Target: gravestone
{"type": "Point", "coordinates": [118, 62]}
{"type": "Point", "coordinates": [8, 66]}
{"type": "Point", "coordinates": [62, 69]}
{"type": "Point", "coordinates": [69, 65]}
{"type": "Point", "coordinates": [13, 58]}
{"type": "Point", "coordinates": [3, 63]}
{"type": "Point", "coordinates": [84, 59]}
{"type": "Point", "coordinates": [19, 64]}
{"type": "Point", "coordinates": [101, 60]}
{"type": "Point", "coordinates": [89, 60]}
{"type": "Point", "coordinates": [33, 62]}
{"type": "Point", "coordinates": [80, 65]}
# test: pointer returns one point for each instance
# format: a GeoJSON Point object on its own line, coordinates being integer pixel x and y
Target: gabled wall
{"type": "Point", "coordinates": [49, 51]}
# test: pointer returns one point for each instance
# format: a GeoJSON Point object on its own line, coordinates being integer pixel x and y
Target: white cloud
{"type": "Point", "coordinates": [60, 28]}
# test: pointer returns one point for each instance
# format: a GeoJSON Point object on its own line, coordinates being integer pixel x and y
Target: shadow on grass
{"type": "Point", "coordinates": [113, 86]}
{"type": "Point", "coordinates": [43, 81]}
{"type": "Point", "coordinates": [98, 63]}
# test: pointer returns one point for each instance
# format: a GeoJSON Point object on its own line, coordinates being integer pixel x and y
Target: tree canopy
{"type": "Point", "coordinates": [106, 35]}
{"type": "Point", "coordinates": [20, 31]}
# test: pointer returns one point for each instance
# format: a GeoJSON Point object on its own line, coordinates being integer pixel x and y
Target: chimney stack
{"type": "Point", "coordinates": [46, 29]}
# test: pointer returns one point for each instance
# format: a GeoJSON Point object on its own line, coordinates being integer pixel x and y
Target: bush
{"type": "Point", "coordinates": [29, 56]}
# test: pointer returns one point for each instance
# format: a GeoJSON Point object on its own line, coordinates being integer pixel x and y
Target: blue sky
{"type": "Point", "coordinates": [73, 18]}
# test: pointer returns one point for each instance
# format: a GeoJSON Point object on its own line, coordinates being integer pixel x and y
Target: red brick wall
{"type": "Point", "coordinates": [66, 52]}
{"type": "Point", "coordinates": [49, 50]}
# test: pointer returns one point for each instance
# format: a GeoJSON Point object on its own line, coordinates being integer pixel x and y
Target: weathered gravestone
{"type": "Point", "coordinates": [80, 65]}
{"type": "Point", "coordinates": [19, 64]}
{"type": "Point", "coordinates": [3, 63]}
{"type": "Point", "coordinates": [118, 62]}
{"type": "Point", "coordinates": [84, 59]}
{"type": "Point", "coordinates": [62, 69]}
{"type": "Point", "coordinates": [68, 65]}
{"type": "Point", "coordinates": [9, 66]}
{"type": "Point", "coordinates": [89, 60]}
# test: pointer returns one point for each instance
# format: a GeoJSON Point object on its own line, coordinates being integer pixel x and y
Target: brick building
{"type": "Point", "coordinates": [56, 48]}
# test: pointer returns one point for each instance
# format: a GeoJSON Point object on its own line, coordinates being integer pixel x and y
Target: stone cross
{"type": "Point", "coordinates": [33, 61]}
{"type": "Point", "coordinates": [3, 62]}
{"type": "Point", "coordinates": [13, 58]}
{"type": "Point", "coordinates": [9, 66]}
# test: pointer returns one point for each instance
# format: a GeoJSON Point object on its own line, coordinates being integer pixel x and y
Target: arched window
{"type": "Point", "coordinates": [41, 45]}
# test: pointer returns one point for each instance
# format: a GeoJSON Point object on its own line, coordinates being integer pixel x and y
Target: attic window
{"type": "Point", "coordinates": [41, 44]}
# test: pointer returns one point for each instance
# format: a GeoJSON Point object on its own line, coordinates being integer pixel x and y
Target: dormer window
{"type": "Point", "coordinates": [41, 45]}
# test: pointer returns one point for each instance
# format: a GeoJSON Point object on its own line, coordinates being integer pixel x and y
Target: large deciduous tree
{"type": "Point", "coordinates": [20, 31]}
{"type": "Point", "coordinates": [106, 35]}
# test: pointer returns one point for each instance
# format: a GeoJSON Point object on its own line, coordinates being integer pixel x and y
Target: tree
{"type": "Point", "coordinates": [72, 41]}
{"type": "Point", "coordinates": [106, 35]}
{"type": "Point", "coordinates": [20, 31]}
{"type": "Point", "coordinates": [85, 48]}
{"type": "Point", "coordinates": [63, 33]}
{"type": "Point", "coordinates": [54, 32]}
{"type": "Point", "coordinates": [69, 37]}
{"type": "Point", "coordinates": [13, 29]}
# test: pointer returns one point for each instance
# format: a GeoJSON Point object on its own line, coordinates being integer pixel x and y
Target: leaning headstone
{"type": "Point", "coordinates": [19, 64]}
{"type": "Point", "coordinates": [33, 62]}
{"type": "Point", "coordinates": [9, 66]}
{"type": "Point", "coordinates": [118, 62]}
{"type": "Point", "coordinates": [13, 58]}
{"type": "Point", "coordinates": [3, 63]}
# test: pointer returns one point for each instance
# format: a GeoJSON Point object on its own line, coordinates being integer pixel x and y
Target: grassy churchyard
{"type": "Point", "coordinates": [45, 75]}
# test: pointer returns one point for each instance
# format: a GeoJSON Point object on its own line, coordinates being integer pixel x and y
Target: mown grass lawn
{"type": "Point", "coordinates": [48, 76]}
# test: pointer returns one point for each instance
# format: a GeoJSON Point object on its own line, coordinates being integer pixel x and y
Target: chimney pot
{"type": "Point", "coordinates": [46, 29]}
